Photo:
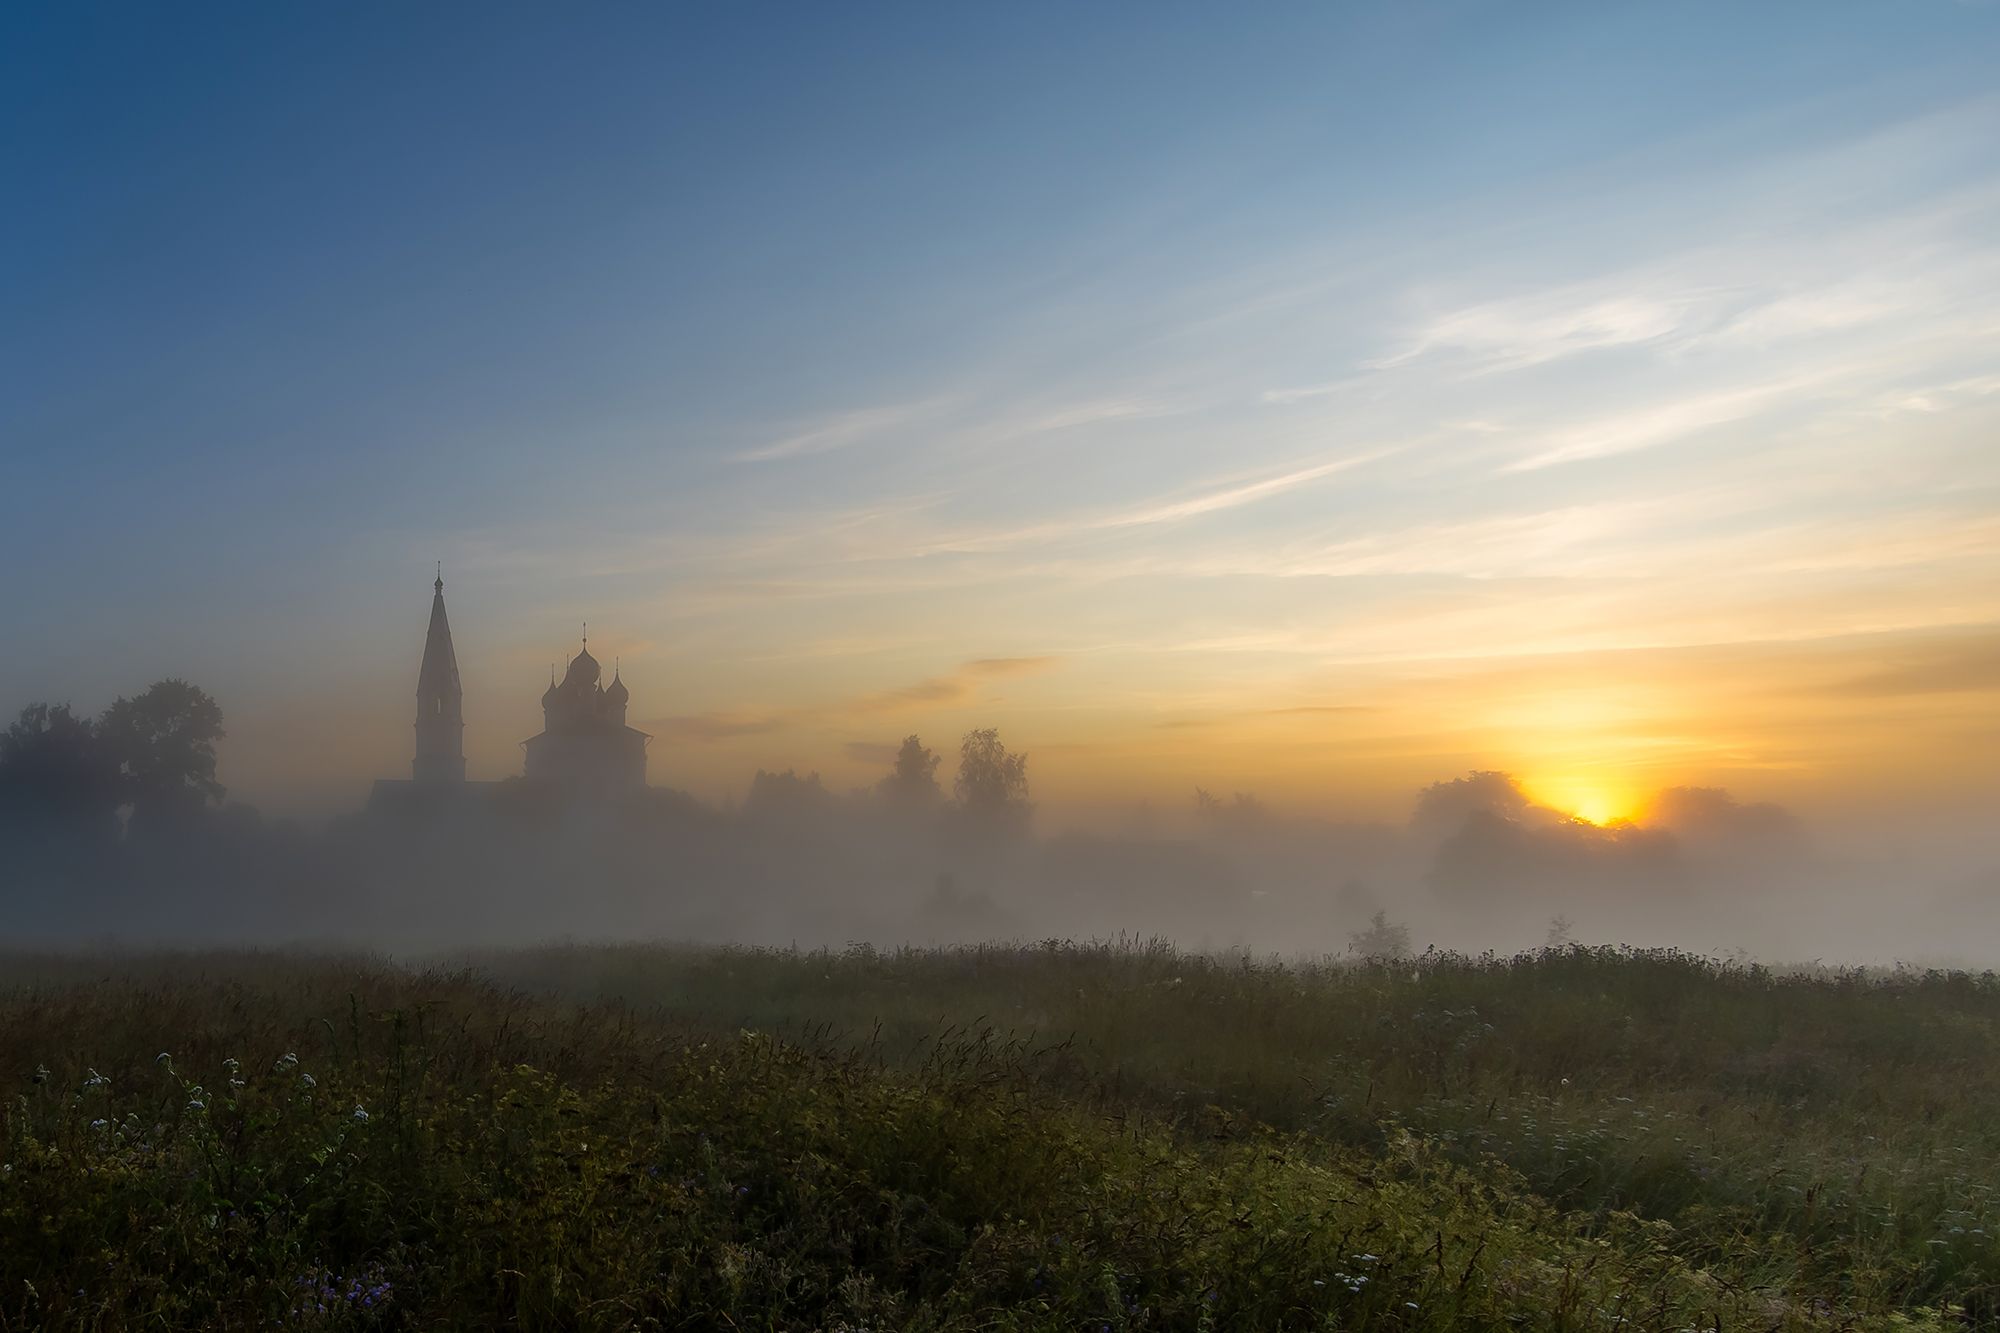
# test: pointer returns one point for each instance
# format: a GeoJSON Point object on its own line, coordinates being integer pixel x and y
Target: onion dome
{"type": "Point", "coordinates": [617, 694]}
{"type": "Point", "coordinates": [583, 670]}
{"type": "Point", "coordinates": [549, 695]}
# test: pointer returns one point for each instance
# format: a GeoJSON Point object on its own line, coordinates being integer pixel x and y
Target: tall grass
{"type": "Point", "coordinates": [1049, 1137]}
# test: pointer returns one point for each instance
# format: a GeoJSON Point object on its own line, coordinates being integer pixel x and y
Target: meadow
{"type": "Point", "coordinates": [1104, 1137]}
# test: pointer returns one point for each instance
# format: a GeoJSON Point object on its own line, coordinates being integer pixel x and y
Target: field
{"type": "Point", "coordinates": [1061, 1136]}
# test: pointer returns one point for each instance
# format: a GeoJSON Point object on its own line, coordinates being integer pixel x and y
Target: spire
{"type": "Point", "coordinates": [439, 673]}
{"type": "Point", "coordinates": [440, 725]}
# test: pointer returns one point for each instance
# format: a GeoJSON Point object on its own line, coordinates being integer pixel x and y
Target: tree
{"type": "Point", "coordinates": [55, 770]}
{"type": "Point", "coordinates": [164, 745]}
{"type": "Point", "coordinates": [992, 785]}
{"type": "Point", "coordinates": [1381, 940]}
{"type": "Point", "coordinates": [1242, 814]}
{"type": "Point", "coordinates": [912, 783]}
{"type": "Point", "coordinates": [786, 795]}
{"type": "Point", "coordinates": [1444, 807]}
{"type": "Point", "coordinates": [1559, 936]}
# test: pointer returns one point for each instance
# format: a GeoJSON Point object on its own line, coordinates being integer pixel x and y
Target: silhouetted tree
{"type": "Point", "coordinates": [1444, 807]}
{"type": "Point", "coordinates": [912, 783]}
{"type": "Point", "coordinates": [992, 785]}
{"type": "Point", "coordinates": [785, 795]}
{"type": "Point", "coordinates": [1382, 939]}
{"type": "Point", "coordinates": [56, 772]}
{"type": "Point", "coordinates": [1243, 813]}
{"type": "Point", "coordinates": [163, 742]}
{"type": "Point", "coordinates": [1560, 935]}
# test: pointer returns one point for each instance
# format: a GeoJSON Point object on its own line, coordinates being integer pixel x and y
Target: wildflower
{"type": "Point", "coordinates": [308, 1081]}
{"type": "Point", "coordinates": [197, 1104]}
{"type": "Point", "coordinates": [96, 1080]}
{"type": "Point", "coordinates": [289, 1060]}
{"type": "Point", "coordinates": [100, 1124]}
{"type": "Point", "coordinates": [163, 1059]}
{"type": "Point", "coordinates": [360, 1115]}
{"type": "Point", "coordinates": [230, 1065]}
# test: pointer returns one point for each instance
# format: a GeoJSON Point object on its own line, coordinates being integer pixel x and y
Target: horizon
{"type": "Point", "coordinates": [1316, 408]}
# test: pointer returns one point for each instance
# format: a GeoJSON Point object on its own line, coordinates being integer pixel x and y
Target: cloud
{"type": "Point", "coordinates": [837, 432]}
{"type": "Point", "coordinates": [959, 686]}
{"type": "Point", "coordinates": [1966, 667]}
{"type": "Point", "coordinates": [706, 728]}
{"type": "Point", "coordinates": [1301, 393]}
{"type": "Point", "coordinates": [1649, 427]}
{"type": "Point", "coordinates": [1009, 666]}
{"type": "Point", "coordinates": [1089, 413]}
{"type": "Point", "coordinates": [1529, 330]}
{"type": "Point", "coordinates": [1306, 710]}
{"type": "Point", "coordinates": [1158, 512]}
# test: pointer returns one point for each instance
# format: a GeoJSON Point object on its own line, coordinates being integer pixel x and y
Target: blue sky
{"type": "Point", "coordinates": [1193, 366]}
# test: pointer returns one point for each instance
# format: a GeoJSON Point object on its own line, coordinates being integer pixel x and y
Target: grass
{"type": "Point", "coordinates": [1078, 1137]}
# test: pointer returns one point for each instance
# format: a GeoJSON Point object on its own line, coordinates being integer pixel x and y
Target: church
{"type": "Point", "coordinates": [584, 748]}
{"type": "Point", "coordinates": [584, 743]}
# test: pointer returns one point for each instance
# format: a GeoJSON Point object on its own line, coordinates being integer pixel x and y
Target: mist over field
{"type": "Point", "coordinates": [1478, 866]}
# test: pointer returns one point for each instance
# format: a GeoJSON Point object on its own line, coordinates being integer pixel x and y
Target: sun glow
{"type": "Point", "coordinates": [1592, 799]}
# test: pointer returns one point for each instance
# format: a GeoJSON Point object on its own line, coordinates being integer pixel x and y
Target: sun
{"type": "Point", "coordinates": [1591, 798]}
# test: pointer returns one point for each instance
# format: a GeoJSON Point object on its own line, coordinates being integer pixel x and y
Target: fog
{"type": "Point", "coordinates": [428, 867]}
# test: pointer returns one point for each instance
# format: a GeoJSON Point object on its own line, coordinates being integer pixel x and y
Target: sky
{"type": "Point", "coordinates": [1316, 402]}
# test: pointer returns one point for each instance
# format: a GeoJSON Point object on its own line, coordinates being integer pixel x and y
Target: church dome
{"type": "Point", "coordinates": [583, 670]}
{"type": "Point", "coordinates": [617, 694]}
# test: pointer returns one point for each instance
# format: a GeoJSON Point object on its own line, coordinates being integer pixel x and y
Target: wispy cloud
{"type": "Point", "coordinates": [1970, 664]}
{"type": "Point", "coordinates": [1529, 330]}
{"type": "Point", "coordinates": [704, 728]}
{"type": "Point", "coordinates": [1216, 498]}
{"type": "Point", "coordinates": [1660, 423]}
{"type": "Point", "coordinates": [1110, 409]}
{"type": "Point", "coordinates": [839, 431]}
{"type": "Point", "coordinates": [960, 686]}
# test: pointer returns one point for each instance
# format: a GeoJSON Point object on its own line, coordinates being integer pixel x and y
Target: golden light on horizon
{"type": "Point", "coordinates": [1590, 797]}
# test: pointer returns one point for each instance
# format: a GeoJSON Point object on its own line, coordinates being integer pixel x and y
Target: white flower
{"type": "Point", "coordinates": [99, 1124]}
{"type": "Point", "coordinates": [360, 1116]}
{"type": "Point", "coordinates": [163, 1059]}
{"type": "Point", "coordinates": [288, 1060]}
{"type": "Point", "coordinates": [231, 1065]}
{"type": "Point", "coordinates": [308, 1080]}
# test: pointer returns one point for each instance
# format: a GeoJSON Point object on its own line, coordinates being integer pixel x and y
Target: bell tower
{"type": "Point", "coordinates": [440, 725]}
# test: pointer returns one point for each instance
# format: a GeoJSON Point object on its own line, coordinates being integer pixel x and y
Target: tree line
{"type": "Point", "coordinates": [149, 760]}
